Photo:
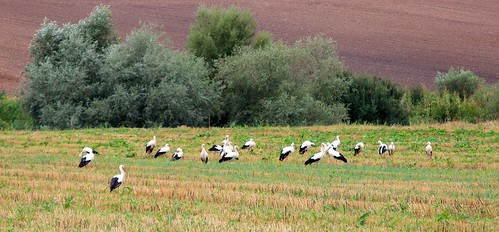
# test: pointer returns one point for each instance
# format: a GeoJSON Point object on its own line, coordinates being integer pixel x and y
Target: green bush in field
{"type": "Point", "coordinates": [153, 85]}
{"type": "Point", "coordinates": [64, 71]}
{"type": "Point", "coordinates": [375, 100]}
{"type": "Point", "coordinates": [446, 106]}
{"type": "Point", "coordinates": [277, 84]}
{"type": "Point", "coordinates": [218, 31]}
{"type": "Point", "coordinates": [12, 114]}
{"type": "Point", "coordinates": [463, 82]}
{"type": "Point", "coordinates": [79, 76]}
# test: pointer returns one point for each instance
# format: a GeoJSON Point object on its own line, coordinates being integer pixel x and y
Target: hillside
{"type": "Point", "coordinates": [407, 42]}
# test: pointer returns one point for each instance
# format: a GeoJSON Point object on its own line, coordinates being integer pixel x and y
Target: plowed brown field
{"type": "Point", "coordinates": [405, 41]}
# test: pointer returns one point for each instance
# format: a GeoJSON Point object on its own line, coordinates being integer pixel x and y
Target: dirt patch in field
{"type": "Point", "coordinates": [405, 41]}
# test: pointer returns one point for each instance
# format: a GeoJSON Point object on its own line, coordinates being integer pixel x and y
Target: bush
{"type": "Point", "coordinates": [152, 85]}
{"type": "Point", "coordinates": [80, 77]}
{"type": "Point", "coordinates": [284, 85]}
{"type": "Point", "coordinates": [375, 100]}
{"type": "Point", "coordinates": [463, 82]}
{"type": "Point", "coordinates": [218, 31]}
{"type": "Point", "coordinates": [64, 71]}
{"type": "Point", "coordinates": [12, 114]}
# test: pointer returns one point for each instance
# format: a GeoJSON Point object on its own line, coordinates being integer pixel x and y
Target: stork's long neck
{"type": "Point", "coordinates": [122, 171]}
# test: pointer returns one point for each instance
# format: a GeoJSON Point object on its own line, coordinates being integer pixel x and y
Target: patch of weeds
{"type": "Point", "coordinates": [362, 219]}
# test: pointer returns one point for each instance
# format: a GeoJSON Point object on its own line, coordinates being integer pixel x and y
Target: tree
{"type": "Point", "coordinates": [375, 100]}
{"type": "Point", "coordinates": [463, 82]}
{"type": "Point", "coordinates": [218, 31]}
{"type": "Point", "coordinates": [284, 85]}
{"type": "Point", "coordinates": [64, 69]}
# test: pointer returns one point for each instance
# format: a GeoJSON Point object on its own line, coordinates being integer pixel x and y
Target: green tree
{"type": "Point", "coordinates": [64, 69]}
{"type": "Point", "coordinates": [375, 100]}
{"type": "Point", "coordinates": [285, 85]}
{"type": "Point", "coordinates": [218, 31]}
{"type": "Point", "coordinates": [463, 82]}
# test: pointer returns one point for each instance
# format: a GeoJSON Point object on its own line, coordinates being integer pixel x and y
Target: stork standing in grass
{"type": "Point", "coordinates": [286, 151]}
{"type": "Point", "coordinates": [89, 156]}
{"type": "Point", "coordinates": [216, 148]}
{"type": "Point", "coordinates": [231, 155]}
{"type": "Point", "coordinates": [250, 145]}
{"type": "Point", "coordinates": [429, 150]}
{"type": "Point", "coordinates": [117, 180]}
{"type": "Point", "coordinates": [391, 149]}
{"type": "Point", "coordinates": [305, 146]}
{"type": "Point", "coordinates": [165, 149]}
{"type": "Point", "coordinates": [317, 156]}
{"type": "Point", "coordinates": [335, 154]}
{"type": "Point", "coordinates": [204, 154]}
{"type": "Point", "coordinates": [336, 143]}
{"type": "Point", "coordinates": [178, 154]}
{"type": "Point", "coordinates": [358, 148]}
{"type": "Point", "coordinates": [382, 147]}
{"type": "Point", "coordinates": [150, 145]}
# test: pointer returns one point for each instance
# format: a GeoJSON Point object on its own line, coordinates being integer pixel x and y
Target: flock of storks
{"type": "Point", "coordinates": [228, 152]}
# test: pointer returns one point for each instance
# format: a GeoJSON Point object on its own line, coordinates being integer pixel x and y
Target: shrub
{"type": "Point", "coordinates": [64, 69]}
{"type": "Point", "coordinates": [263, 39]}
{"type": "Point", "coordinates": [284, 85]}
{"type": "Point", "coordinates": [218, 31]}
{"type": "Point", "coordinates": [463, 82]}
{"type": "Point", "coordinates": [375, 100]}
{"type": "Point", "coordinates": [152, 85]}
{"type": "Point", "coordinates": [12, 114]}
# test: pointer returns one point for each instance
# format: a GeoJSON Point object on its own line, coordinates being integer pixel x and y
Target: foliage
{"type": "Point", "coordinates": [375, 100]}
{"type": "Point", "coordinates": [218, 31]}
{"type": "Point", "coordinates": [445, 107]}
{"type": "Point", "coordinates": [80, 77]}
{"type": "Point", "coordinates": [64, 72]}
{"type": "Point", "coordinates": [463, 82]}
{"type": "Point", "coordinates": [285, 85]}
{"type": "Point", "coordinates": [12, 114]}
{"type": "Point", "coordinates": [152, 85]}
{"type": "Point", "coordinates": [263, 39]}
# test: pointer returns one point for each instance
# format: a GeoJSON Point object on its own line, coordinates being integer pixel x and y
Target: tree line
{"type": "Point", "coordinates": [85, 75]}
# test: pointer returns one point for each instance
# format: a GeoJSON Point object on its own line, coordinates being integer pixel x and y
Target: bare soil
{"type": "Point", "coordinates": [405, 41]}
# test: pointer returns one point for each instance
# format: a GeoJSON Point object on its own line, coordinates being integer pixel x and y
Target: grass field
{"type": "Point", "coordinates": [42, 189]}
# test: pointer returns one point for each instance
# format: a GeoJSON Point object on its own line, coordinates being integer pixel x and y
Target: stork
{"type": "Point", "coordinates": [204, 154]}
{"type": "Point", "coordinates": [317, 156]}
{"type": "Point", "coordinates": [230, 155]}
{"type": "Point", "coordinates": [358, 148]}
{"type": "Point", "coordinates": [89, 156]}
{"type": "Point", "coordinates": [178, 155]}
{"type": "Point", "coordinates": [335, 154]}
{"type": "Point", "coordinates": [165, 149]}
{"type": "Point", "coordinates": [150, 145]}
{"type": "Point", "coordinates": [391, 149]}
{"type": "Point", "coordinates": [117, 180]}
{"type": "Point", "coordinates": [429, 150]}
{"type": "Point", "coordinates": [250, 145]}
{"type": "Point", "coordinates": [286, 151]}
{"type": "Point", "coordinates": [336, 143]}
{"type": "Point", "coordinates": [305, 146]}
{"type": "Point", "coordinates": [382, 148]}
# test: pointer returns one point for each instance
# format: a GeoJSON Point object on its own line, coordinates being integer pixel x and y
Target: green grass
{"type": "Point", "coordinates": [41, 187]}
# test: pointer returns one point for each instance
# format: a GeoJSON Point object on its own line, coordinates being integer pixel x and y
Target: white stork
{"type": "Point", "coordinates": [336, 143]}
{"type": "Point", "coordinates": [286, 151]}
{"type": "Point", "coordinates": [429, 150]}
{"type": "Point", "coordinates": [335, 154]}
{"type": "Point", "coordinates": [165, 149]}
{"type": "Point", "coordinates": [178, 155]}
{"type": "Point", "coordinates": [231, 155]}
{"type": "Point", "coordinates": [391, 149]}
{"type": "Point", "coordinates": [204, 154]}
{"type": "Point", "coordinates": [305, 146]}
{"type": "Point", "coordinates": [358, 148]}
{"type": "Point", "coordinates": [117, 180]}
{"type": "Point", "coordinates": [227, 148]}
{"type": "Point", "coordinates": [89, 156]}
{"type": "Point", "coordinates": [216, 148]}
{"type": "Point", "coordinates": [150, 145]}
{"type": "Point", "coordinates": [382, 148]}
{"type": "Point", "coordinates": [317, 156]}
{"type": "Point", "coordinates": [250, 145]}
